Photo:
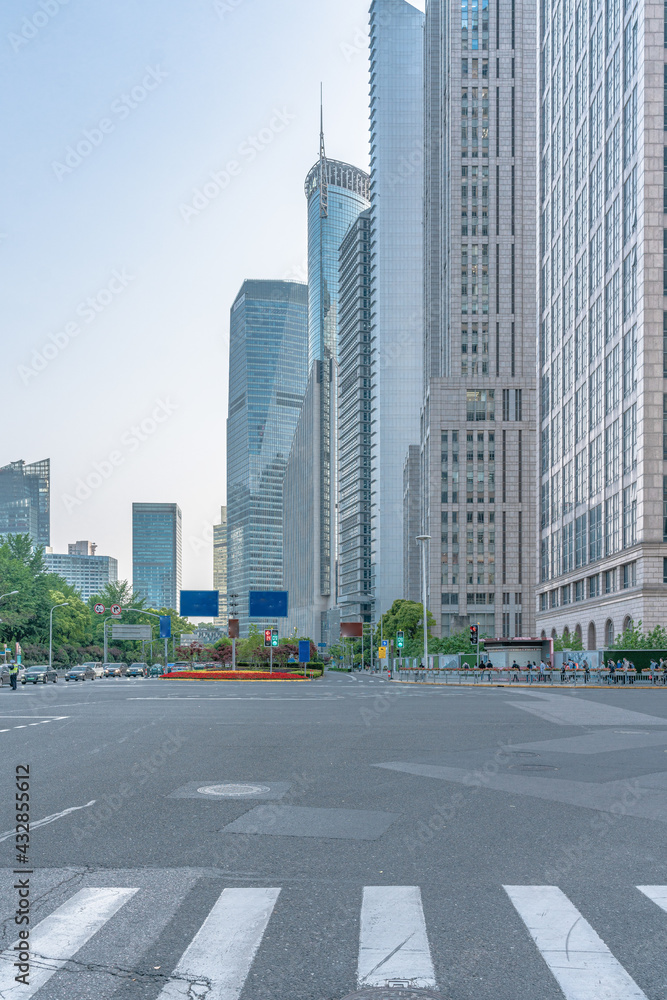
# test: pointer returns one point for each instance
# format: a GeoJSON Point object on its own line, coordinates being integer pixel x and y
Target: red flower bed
{"type": "Point", "coordinates": [232, 675]}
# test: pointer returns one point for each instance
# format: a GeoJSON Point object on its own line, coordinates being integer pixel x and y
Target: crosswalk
{"type": "Point", "coordinates": [215, 959]}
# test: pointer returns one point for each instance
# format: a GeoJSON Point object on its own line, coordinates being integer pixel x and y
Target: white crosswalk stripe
{"type": "Point", "coordinates": [658, 893]}
{"type": "Point", "coordinates": [581, 962]}
{"type": "Point", "coordinates": [215, 965]}
{"type": "Point", "coordinates": [58, 938]}
{"type": "Point", "coordinates": [393, 945]}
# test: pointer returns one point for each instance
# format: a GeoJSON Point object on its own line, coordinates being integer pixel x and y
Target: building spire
{"type": "Point", "coordinates": [324, 181]}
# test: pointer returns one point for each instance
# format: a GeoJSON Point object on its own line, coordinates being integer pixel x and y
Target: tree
{"type": "Point", "coordinates": [71, 624]}
{"type": "Point", "coordinates": [634, 637]}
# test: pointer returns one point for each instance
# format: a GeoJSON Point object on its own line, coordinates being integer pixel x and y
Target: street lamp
{"type": "Point", "coordinates": [423, 539]}
{"type": "Point", "coordinates": [2, 596]}
{"type": "Point", "coordinates": [64, 605]}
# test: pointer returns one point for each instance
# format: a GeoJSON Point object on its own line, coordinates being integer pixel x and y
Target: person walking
{"type": "Point", "coordinates": [13, 675]}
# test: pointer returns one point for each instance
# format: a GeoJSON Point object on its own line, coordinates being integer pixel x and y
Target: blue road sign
{"type": "Point", "coordinates": [200, 603]}
{"type": "Point", "coordinates": [165, 627]}
{"type": "Point", "coordinates": [304, 651]}
{"type": "Point", "coordinates": [385, 642]}
{"type": "Point", "coordinates": [267, 604]}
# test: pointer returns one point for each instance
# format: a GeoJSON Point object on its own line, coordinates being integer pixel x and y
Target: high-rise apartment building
{"type": "Point", "coordinates": [25, 500]}
{"type": "Point", "coordinates": [157, 553]}
{"type": "Point", "coordinates": [478, 451]}
{"type": "Point", "coordinates": [354, 423]}
{"type": "Point", "coordinates": [220, 566]}
{"type": "Point", "coordinates": [603, 268]}
{"type": "Point", "coordinates": [397, 266]}
{"type": "Point", "coordinates": [82, 568]}
{"type": "Point", "coordinates": [268, 371]}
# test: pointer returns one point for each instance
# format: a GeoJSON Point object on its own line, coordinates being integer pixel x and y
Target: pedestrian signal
{"type": "Point", "coordinates": [267, 636]}
{"type": "Point", "coordinates": [400, 640]}
{"type": "Point", "coordinates": [274, 637]}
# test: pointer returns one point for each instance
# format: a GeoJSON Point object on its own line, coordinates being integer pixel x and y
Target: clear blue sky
{"type": "Point", "coordinates": [168, 92]}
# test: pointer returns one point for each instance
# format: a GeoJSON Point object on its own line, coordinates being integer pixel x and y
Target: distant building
{"type": "Point", "coordinates": [82, 568]}
{"type": "Point", "coordinates": [220, 565]}
{"type": "Point", "coordinates": [268, 350]}
{"type": "Point", "coordinates": [354, 423]}
{"type": "Point", "coordinates": [25, 500]}
{"type": "Point", "coordinates": [157, 553]}
{"type": "Point", "coordinates": [412, 586]}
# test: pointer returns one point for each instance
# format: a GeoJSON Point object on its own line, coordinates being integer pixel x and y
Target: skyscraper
{"type": "Point", "coordinates": [478, 450]}
{"type": "Point", "coordinates": [603, 333]}
{"type": "Point", "coordinates": [220, 566]}
{"type": "Point", "coordinates": [82, 568]}
{"type": "Point", "coordinates": [25, 500]}
{"type": "Point", "coordinates": [268, 358]}
{"type": "Point", "coordinates": [397, 233]}
{"type": "Point", "coordinates": [157, 553]}
{"type": "Point", "coordinates": [354, 423]}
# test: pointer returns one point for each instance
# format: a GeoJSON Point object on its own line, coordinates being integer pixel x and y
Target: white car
{"type": "Point", "coordinates": [97, 668]}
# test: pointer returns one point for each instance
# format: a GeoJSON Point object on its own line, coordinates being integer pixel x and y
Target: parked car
{"type": "Point", "coordinates": [173, 668]}
{"type": "Point", "coordinates": [97, 667]}
{"type": "Point", "coordinates": [137, 670]}
{"type": "Point", "coordinates": [115, 669]}
{"type": "Point", "coordinates": [39, 675]}
{"type": "Point", "coordinates": [155, 670]}
{"type": "Point", "coordinates": [82, 673]}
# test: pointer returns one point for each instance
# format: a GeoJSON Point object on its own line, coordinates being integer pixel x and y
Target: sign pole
{"type": "Point", "coordinates": [271, 667]}
{"type": "Point", "coordinates": [166, 653]}
{"type": "Point", "coordinates": [233, 654]}
{"type": "Point", "coordinates": [106, 649]}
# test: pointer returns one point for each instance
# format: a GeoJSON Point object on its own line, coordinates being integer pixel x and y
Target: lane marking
{"type": "Point", "coordinates": [58, 938]}
{"type": "Point", "coordinates": [393, 943]}
{"type": "Point", "coordinates": [217, 961]}
{"type": "Point", "coordinates": [47, 819]}
{"type": "Point", "coordinates": [657, 893]}
{"type": "Point", "coordinates": [578, 958]}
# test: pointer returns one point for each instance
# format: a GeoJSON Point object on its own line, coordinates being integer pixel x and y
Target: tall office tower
{"type": "Point", "coordinates": [157, 553]}
{"type": "Point", "coordinates": [336, 194]}
{"type": "Point", "coordinates": [603, 345]}
{"type": "Point", "coordinates": [478, 440]}
{"type": "Point", "coordinates": [25, 500]}
{"type": "Point", "coordinates": [220, 566]}
{"type": "Point", "coordinates": [397, 234]}
{"type": "Point", "coordinates": [268, 370]}
{"type": "Point", "coordinates": [354, 423]}
{"type": "Point", "coordinates": [82, 568]}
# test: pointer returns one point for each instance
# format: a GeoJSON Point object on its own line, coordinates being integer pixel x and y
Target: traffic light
{"type": "Point", "coordinates": [267, 636]}
{"type": "Point", "coordinates": [474, 635]}
{"type": "Point", "coordinates": [274, 637]}
{"type": "Point", "coordinates": [400, 640]}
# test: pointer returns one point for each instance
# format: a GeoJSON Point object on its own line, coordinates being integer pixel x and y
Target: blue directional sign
{"type": "Point", "coordinates": [304, 650]}
{"type": "Point", "coordinates": [267, 604]}
{"type": "Point", "coordinates": [200, 603]}
{"type": "Point", "coordinates": [165, 627]}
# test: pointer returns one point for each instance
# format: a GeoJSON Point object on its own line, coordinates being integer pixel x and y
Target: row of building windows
{"type": "Point", "coordinates": [620, 578]}
{"type": "Point", "coordinates": [586, 539]}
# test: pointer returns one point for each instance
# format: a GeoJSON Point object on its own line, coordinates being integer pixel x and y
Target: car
{"type": "Point", "coordinates": [137, 670]}
{"type": "Point", "coordinates": [155, 670]}
{"type": "Point", "coordinates": [174, 668]}
{"type": "Point", "coordinates": [115, 669]}
{"type": "Point", "coordinates": [4, 675]}
{"type": "Point", "coordinates": [39, 675]}
{"type": "Point", "coordinates": [82, 673]}
{"type": "Point", "coordinates": [97, 667]}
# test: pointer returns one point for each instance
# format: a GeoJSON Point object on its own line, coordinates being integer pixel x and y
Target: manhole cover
{"type": "Point", "coordinates": [233, 791]}
{"type": "Point", "coordinates": [532, 767]}
{"type": "Point", "coordinates": [394, 993]}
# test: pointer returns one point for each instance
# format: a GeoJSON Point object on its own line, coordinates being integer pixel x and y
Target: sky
{"type": "Point", "coordinates": [154, 158]}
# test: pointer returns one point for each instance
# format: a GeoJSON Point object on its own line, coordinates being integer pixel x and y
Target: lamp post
{"type": "Point", "coordinates": [423, 539]}
{"type": "Point", "coordinates": [64, 605]}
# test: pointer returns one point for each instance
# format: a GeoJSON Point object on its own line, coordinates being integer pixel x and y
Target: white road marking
{"type": "Point", "coordinates": [217, 961]}
{"type": "Point", "coordinates": [658, 893]}
{"type": "Point", "coordinates": [58, 938]}
{"type": "Point", "coordinates": [47, 819]}
{"type": "Point", "coordinates": [580, 961]}
{"type": "Point", "coordinates": [393, 944]}
{"type": "Point", "coordinates": [239, 697]}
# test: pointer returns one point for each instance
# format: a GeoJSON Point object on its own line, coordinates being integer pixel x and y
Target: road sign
{"type": "Point", "coordinates": [131, 632]}
{"type": "Point", "coordinates": [351, 630]}
{"type": "Point", "coordinates": [165, 626]}
{"type": "Point", "coordinates": [267, 636]}
{"type": "Point", "coordinates": [233, 628]}
{"type": "Point", "coordinates": [99, 609]}
{"type": "Point", "coordinates": [304, 650]}
{"type": "Point", "coordinates": [116, 609]}
{"type": "Point", "coordinates": [321, 645]}
{"type": "Point", "coordinates": [382, 652]}
{"type": "Point", "coordinates": [267, 604]}
{"type": "Point", "coordinates": [385, 642]}
{"type": "Point", "coordinates": [200, 603]}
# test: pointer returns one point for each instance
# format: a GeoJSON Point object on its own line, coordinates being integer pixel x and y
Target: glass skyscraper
{"type": "Point", "coordinates": [25, 500]}
{"type": "Point", "coordinates": [397, 234]}
{"type": "Point", "coordinates": [268, 371]}
{"type": "Point", "coordinates": [156, 553]}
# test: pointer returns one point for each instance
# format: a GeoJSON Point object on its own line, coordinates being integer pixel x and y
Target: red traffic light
{"type": "Point", "coordinates": [474, 635]}
{"type": "Point", "coordinates": [267, 636]}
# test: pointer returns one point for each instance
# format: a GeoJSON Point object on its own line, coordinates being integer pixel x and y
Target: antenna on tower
{"type": "Point", "coordinates": [324, 180]}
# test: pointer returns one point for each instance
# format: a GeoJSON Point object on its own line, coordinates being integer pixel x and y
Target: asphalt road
{"type": "Point", "coordinates": [487, 844]}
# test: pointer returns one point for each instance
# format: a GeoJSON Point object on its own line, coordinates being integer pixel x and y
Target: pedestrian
{"type": "Point", "coordinates": [13, 675]}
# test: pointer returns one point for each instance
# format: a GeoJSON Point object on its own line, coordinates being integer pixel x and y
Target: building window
{"type": "Point", "coordinates": [629, 575]}
{"type": "Point", "coordinates": [565, 595]}
{"type": "Point", "coordinates": [480, 404]}
{"type": "Point", "coordinates": [579, 591]}
{"type": "Point", "coordinates": [630, 516]}
{"type": "Point", "coordinates": [595, 533]}
{"type": "Point", "coordinates": [610, 581]}
{"type": "Point", "coordinates": [664, 570]}
{"type": "Point", "coordinates": [612, 525]}
{"type": "Point", "coordinates": [609, 632]}
{"type": "Point", "coordinates": [580, 551]}
{"type": "Point", "coordinates": [594, 586]}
